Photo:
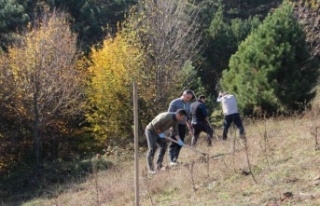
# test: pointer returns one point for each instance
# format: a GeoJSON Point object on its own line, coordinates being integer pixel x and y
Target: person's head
{"type": "Point", "coordinates": [181, 114]}
{"type": "Point", "coordinates": [223, 93]}
{"type": "Point", "coordinates": [187, 95]}
{"type": "Point", "coordinates": [202, 98]}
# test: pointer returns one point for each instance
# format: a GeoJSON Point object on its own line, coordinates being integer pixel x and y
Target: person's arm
{"type": "Point", "coordinates": [175, 133]}
{"type": "Point", "coordinates": [180, 142]}
{"type": "Point", "coordinates": [158, 131]}
{"type": "Point", "coordinates": [157, 127]}
{"type": "Point", "coordinates": [189, 127]}
{"type": "Point", "coordinates": [173, 107]}
{"type": "Point", "coordinates": [178, 138]}
{"type": "Point", "coordinates": [188, 118]}
{"type": "Point", "coordinates": [219, 98]}
{"type": "Point", "coordinates": [162, 135]}
{"type": "Point", "coordinates": [204, 111]}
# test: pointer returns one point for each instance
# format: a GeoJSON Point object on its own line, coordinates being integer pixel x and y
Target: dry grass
{"type": "Point", "coordinates": [283, 160]}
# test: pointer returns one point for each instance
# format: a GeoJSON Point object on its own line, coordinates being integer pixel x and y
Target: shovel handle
{"type": "Point", "coordinates": [187, 146]}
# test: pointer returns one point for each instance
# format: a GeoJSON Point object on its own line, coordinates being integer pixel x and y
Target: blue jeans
{"type": "Point", "coordinates": [228, 119]}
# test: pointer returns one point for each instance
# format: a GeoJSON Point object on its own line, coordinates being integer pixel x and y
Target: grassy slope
{"type": "Point", "coordinates": [289, 164]}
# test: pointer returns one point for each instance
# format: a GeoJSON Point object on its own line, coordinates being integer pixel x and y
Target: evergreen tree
{"type": "Point", "coordinates": [223, 37]}
{"type": "Point", "coordinates": [91, 18]}
{"type": "Point", "coordinates": [271, 71]}
{"type": "Point", "coordinates": [12, 17]}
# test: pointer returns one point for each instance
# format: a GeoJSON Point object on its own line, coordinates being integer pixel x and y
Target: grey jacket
{"type": "Point", "coordinates": [179, 104]}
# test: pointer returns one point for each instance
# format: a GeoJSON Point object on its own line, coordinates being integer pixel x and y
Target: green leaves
{"type": "Point", "coordinates": [12, 17]}
{"type": "Point", "coordinates": [224, 37]}
{"type": "Point", "coordinates": [271, 69]}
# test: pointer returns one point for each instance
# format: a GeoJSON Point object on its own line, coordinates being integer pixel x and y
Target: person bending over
{"type": "Point", "coordinates": [231, 114]}
{"type": "Point", "coordinates": [154, 133]}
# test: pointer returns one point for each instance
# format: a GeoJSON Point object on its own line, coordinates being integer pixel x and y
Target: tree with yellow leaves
{"type": "Point", "coordinates": [112, 70]}
{"type": "Point", "coordinates": [45, 88]}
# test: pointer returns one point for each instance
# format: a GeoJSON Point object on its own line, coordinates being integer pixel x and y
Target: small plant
{"type": "Point", "coordinates": [95, 169]}
{"type": "Point", "coordinates": [192, 176]}
{"type": "Point", "coordinates": [266, 143]}
{"type": "Point", "coordinates": [148, 189]}
{"type": "Point", "coordinates": [248, 160]}
{"type": "Point", "coordinates": [315, 135]}
{"type": "Point", "coordinates": [245, 142]}
{"type": "Point", "coordinates": [208, 164]}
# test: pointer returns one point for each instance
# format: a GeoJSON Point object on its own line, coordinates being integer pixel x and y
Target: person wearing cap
{"type": "Point", "coordinates": [154, 133]}
{"type": "Point", "coordinates": [231, 114]}
{"type": "Point", "coordinates": [180, 103]}
{"type": "Point", "coordinates": [200, 122]}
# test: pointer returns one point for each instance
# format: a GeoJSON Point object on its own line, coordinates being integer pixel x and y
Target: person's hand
{"type": "Point", "coordinates": [162, 135]}
{"type": "Point", "coordinates": [180, 143]}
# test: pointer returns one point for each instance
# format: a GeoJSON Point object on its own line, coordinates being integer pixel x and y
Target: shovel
{"type": "Point", "coordinates": [187, 146]}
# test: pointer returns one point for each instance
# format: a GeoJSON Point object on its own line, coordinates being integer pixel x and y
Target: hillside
{"type": "Point", "coordinates": [283, 157]}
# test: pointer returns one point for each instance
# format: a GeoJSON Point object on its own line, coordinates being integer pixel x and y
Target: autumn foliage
{"type": "Point", "coordinates": [112, 70]}
{"type": "Point", "coordinates": [43, 88]}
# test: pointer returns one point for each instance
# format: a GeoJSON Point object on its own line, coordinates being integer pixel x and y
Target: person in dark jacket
{"type": "Point", "coordinates": [156, 138]}
{"type": "Point", "coordinates": [200, 122]}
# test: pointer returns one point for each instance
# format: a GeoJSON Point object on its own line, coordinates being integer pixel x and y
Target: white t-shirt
{"type": "Point", "coordinates": [229, 104]}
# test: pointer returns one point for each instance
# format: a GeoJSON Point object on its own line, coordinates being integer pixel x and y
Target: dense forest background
{"type": "Point", "coordinates": [67, 68]}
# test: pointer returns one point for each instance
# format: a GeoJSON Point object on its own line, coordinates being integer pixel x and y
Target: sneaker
{"type": "Point", "coordinates": [152, 172]}
{"type": "Point", "coordinates": [162, 168]}
{"type": "Point", "coordinates": [174, 163]}
{"type": "Point", "coordinates": [243, 137]}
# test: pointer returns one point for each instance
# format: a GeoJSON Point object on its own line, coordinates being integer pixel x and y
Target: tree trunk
{"type": "Point", "coordinates": [36, 137]}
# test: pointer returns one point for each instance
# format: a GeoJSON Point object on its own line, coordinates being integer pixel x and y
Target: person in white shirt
{"type": "Point", "coordinates": [231, 114]}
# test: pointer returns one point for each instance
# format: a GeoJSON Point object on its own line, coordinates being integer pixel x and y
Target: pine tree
{"type": "Point", "coordinates": [272, 70]}
{"type": "Point", "coordinates": [12, 18]}
{"type": "Point", "coordinates": [224, 36]}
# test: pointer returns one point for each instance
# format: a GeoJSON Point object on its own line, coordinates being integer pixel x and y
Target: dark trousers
{"type": "Point", "coordinates": [201, 127]}
{"type": "Point", "coordinates": [174, 148]}
{"type": "Point", "coordinates": [228, 119]}
{"type": "Point", "coordinates": [155, 142]}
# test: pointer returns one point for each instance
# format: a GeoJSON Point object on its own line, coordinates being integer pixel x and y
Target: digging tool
{"type": "Point", "coordinates": [214, 134]}
{"type": "Point", "coordinates": [187, 146]}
